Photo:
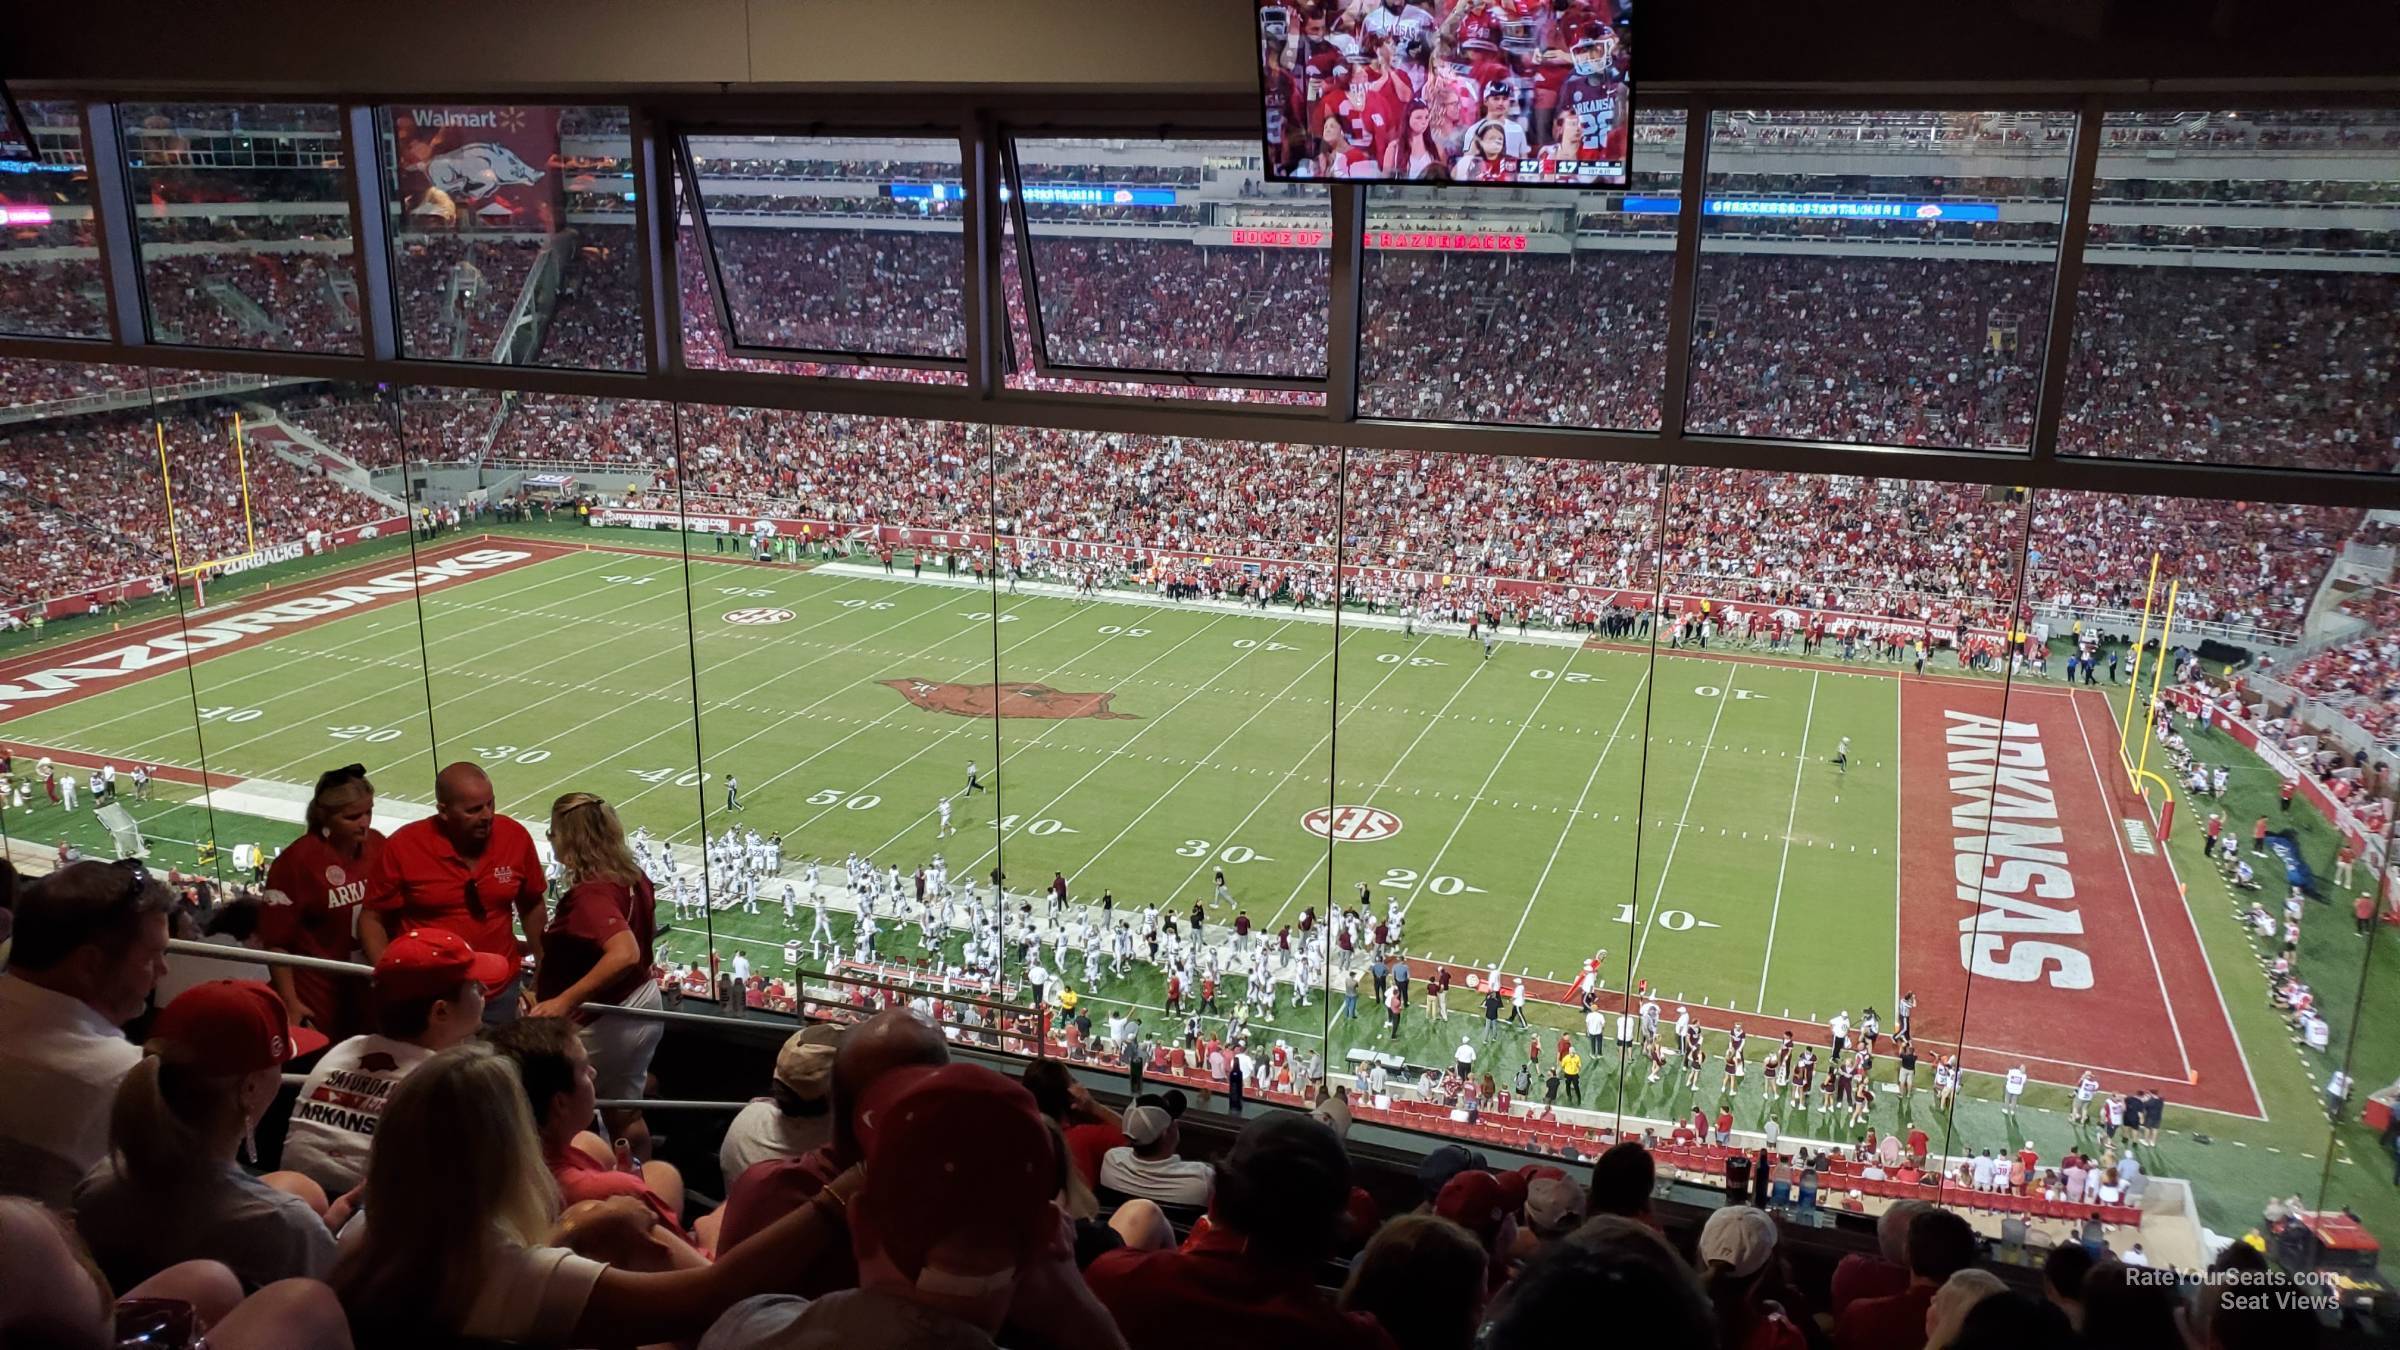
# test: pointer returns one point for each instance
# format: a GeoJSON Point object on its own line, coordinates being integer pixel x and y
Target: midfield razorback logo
{"type": "Point", "coordinates": [1012, 698]}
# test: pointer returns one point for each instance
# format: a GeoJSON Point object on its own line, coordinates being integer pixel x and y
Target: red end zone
{"type": "Point", "coordinates": [2065, 947]}
{"type": "Point", "coordinates": [48, 676]}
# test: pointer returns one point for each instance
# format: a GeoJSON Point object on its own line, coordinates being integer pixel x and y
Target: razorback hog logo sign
{"type": "Point", "coordinates": [1012, 698]}
{"type": "Point", "coordinates": [477, 171]}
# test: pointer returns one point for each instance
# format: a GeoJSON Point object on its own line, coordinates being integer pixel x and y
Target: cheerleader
{"type": "Point", "coordinates": [1945, 1082]}
{"type": "Point", "coordinates": [1734, 1066]}
{"type": "Point", "coordinates": [1804, 1075]}
{"type": "Point", "coordinates": [1658, 1058]}
{"type": "Point", "coordinates": [1694, 1057]}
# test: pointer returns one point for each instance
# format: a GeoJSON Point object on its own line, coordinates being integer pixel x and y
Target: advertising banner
{"type": "Point", "coordinates": [477, 167]}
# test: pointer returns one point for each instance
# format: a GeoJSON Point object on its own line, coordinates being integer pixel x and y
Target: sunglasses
{"type": "Point", "coordinates": [137, 878]}
{"type": "Point", "coordinates": [474, 901]}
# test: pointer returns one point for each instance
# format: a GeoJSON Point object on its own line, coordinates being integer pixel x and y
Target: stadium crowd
{"type": "Point", "coordinates": [446, 1174]}
{"type": "Point", "coordinates": [83, 507]}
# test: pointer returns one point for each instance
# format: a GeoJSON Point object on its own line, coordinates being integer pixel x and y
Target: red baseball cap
{"type": "Point", "coordinates": [433, 963]}
{"type": "Point", "coordinates": [959, 1159]}
{"type": "Point", "coordinates": [228, 1027]}
{"type": "Point", "coordinates": [1474, 1201]}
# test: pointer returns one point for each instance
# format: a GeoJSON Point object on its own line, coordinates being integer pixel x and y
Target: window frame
{"type": "Point", "coordinates": [1028, 270]}
{"type": "Point", "coordinates": [680, 139]}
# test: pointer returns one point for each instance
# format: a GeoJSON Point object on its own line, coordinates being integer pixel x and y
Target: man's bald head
{"type": "Point", "coordinates": [462, 804]}
{"type": "Point", "coordinates": [895, 1039]}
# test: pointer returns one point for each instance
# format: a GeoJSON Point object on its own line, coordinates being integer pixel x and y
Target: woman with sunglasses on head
{"type": "Point", "coordinates": [313, 892]}
{"type": "Point", "coordinates": [597, 950]}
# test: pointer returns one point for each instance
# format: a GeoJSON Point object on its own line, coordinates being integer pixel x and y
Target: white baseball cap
{"type": "Point", "coordinates": [1740, 1236]}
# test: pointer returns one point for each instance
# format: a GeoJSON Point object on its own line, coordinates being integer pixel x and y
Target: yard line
{"type": "Point", "coordinates": [433, 737]}
{"type": "Point", "coordinates": [1155, 723]}
{"type": "Point", "coordinates": [1799, 767]}
{"type": "Point", "coordinates": [979, 724]}
{"type": "Point", "coordinates": [184, 699]}
{"type": "Point", "coordinates": [518, 616]}
{"type": "Point", "coordinates": [1899, 801]}
{"type": "Point", "coordinates": [700, 755]}
{"type": "Point", "coordinates": [1649, 920]}
{"type": "Point", "coordinates": [1176, 891]}
{"type": "Point", "coordinates": [1380, 784]}
{"type": "Point", "coordinates": [1580, 798]}
{"type": "Point", "coordinates": [2116, 832]}
{"type": "Point", "coordinates": [1202, 761]}
{"type": "Point", "coordinates": [415, 669]}
{"type": "Point", "coordinates": [1431, 868]}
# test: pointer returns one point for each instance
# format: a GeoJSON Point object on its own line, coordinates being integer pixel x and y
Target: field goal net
{"type": "Point", "coordinates": [197, 573]}
{"type": "Point", "coordinates": [124, 834]}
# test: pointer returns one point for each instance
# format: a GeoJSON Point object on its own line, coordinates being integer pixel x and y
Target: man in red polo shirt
{"type": "Point", "coordinates": [466, 868]}
{"type": "Point", "coordinates": [1249, 1276]}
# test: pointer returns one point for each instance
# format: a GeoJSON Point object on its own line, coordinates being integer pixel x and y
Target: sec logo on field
{"type": "Point", "coordinates": [758, 616]}
{"type": "Point", "coordinates": [1351, 824]}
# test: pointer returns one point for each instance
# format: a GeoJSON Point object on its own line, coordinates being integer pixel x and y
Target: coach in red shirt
{"type": "Point", "coordinates": [465, 868]}
{"type": "Point", "coordinates": [1249, 1277]}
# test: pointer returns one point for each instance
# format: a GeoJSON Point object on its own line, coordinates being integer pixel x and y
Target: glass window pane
{"type": "Point", "coordinates": [1823, 636]}
{"type": "Point", "coordinates": [556, 661]}
{"type": "Point", "coordinates": [49, 260]}
{"type": "Point", "coordinates": [1878, 277]}
{"type": "Point", "coordinates": [1523, 306]}
{"type": "Point", "coordinates": [2361, 1143]}
{"type": "Point", "coordinates": [1494, 679]}
{"type": "Point", "coordinates": [512, 234]}
{"type": "Point", "coordinates": [705, 339]}
{"type": "Point", "coordinates": [88, 566]}
{"type": "Point", "coordinates": [1021, 372]}
{"type": "Point", "coordinates": [2241, 278]}
{"type": "Point", "coordinates": [1164, 690]}
{"type": "Point", "coordinates": [243, 224]}
{"type": "Point", "coordinates": [2243, 977]}
{"type": "Point", "coordinates": [1154, 255]}
{"type": "Point", "coordinates": [837, 244]}
{"type": "Point", "coordinates": [813, 626]}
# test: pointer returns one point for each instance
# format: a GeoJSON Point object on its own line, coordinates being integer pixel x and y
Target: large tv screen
{"type": "Point", "coordinates": [1529, 92]}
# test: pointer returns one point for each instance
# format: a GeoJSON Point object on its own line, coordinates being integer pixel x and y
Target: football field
{"type": "Point", "coordinates": [1678, 810]}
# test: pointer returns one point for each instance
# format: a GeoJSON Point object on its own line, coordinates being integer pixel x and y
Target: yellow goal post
{"type": "Point", "coordinates": [2139, 771]}
{"type": "Point", "coordinates": [166, 474]}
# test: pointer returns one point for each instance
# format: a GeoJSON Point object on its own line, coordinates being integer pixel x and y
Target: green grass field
{"type": "Point", "coordinates": [1679, 812]}
{"type": "Point", "coordinates": [1514, 781]}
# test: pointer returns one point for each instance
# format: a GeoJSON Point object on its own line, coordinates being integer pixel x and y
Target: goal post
{"type": "Point", "coordinates": [2139, 771]}
{"type": "Point", "coordinates": [199, 571]}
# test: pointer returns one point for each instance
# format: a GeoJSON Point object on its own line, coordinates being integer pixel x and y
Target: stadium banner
{"type": "Point", "coordinates": [489, 167]}
{"type": "Point", "coordinates": [1939, 629]}
{"type": "Point", "coordinates": [1814, 208]}
{"type": "Point", "coordinates": [100, 597]}
{"type": "Point", "coordinates": [1415, 240]}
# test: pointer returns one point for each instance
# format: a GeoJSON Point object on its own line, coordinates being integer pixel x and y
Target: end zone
{"type": "Point", "coordinates": [2025, 920]}
{"type": "Point", "coordinates": [48, 677]}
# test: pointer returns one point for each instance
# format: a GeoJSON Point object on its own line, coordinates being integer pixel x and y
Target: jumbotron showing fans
{"type": "Point", "coordinates": [1451, 91]}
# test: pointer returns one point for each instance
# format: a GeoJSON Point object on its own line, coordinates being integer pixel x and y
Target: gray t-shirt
{"type": "Point", "coordinates": [225, 1215]}
{"type": "Point", "coordinates": [1169, 1180]}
